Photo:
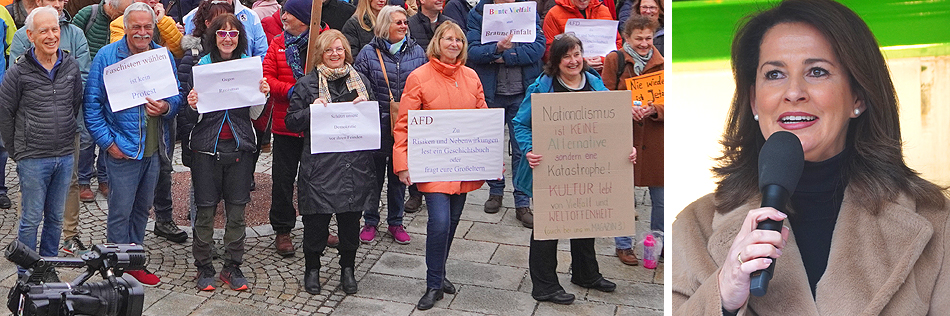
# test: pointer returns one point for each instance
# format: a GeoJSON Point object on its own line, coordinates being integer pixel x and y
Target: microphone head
{"type": "Point", "coordinates": [781, 161]}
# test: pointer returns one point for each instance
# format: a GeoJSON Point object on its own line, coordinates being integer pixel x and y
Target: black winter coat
{"type": "Point", "coordinates": [330, 183]}
{"type": "Point", "coordinates": [398, 67]}
{"type": "Point", "coordinates": [356, 35]}
{"type": "Point", "coordinates": [422, 30]}
{"type": "Point", "coordinates": [38, 115]}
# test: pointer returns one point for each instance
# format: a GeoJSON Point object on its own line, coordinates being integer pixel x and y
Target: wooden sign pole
{"type": "Point", "coordinates": [315, 13]}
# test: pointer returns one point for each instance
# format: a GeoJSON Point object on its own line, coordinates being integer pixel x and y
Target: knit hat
{"type": "Point", "coordinates": [300, 9]}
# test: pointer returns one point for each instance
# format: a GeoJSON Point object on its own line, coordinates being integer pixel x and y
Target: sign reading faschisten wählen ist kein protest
{"type": "Point", "coordinates": [147, 74]}
{"type": "Point", "coordinates": [456, 145]}
{"type": "Point", "coordinates": [584, 184]}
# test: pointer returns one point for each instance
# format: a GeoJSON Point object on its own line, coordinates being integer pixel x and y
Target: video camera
{"type": "Point", "coordinates": [117, 294]}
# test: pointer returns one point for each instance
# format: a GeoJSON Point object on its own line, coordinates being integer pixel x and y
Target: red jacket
{"type": "Point", "coordinates": [281, 79]}
{"type": "Point", "coordinates": [557, 17]}
{"type": "Point", "coordinates": [272, 26]}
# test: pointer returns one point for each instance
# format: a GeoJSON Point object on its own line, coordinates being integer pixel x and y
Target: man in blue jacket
{"type": "Point", "coordinates": [506, 70]}
{"type": "Point", "coordinates": [134, 137]}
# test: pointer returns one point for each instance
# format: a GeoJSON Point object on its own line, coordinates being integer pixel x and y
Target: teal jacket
{"type": "Point", "coordinates": [71, 39]}
{"type": "Point", "coordinates": [524, 179]}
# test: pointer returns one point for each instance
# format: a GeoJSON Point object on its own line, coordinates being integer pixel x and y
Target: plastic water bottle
{"type": "Point", "coordinates": [649, 252]}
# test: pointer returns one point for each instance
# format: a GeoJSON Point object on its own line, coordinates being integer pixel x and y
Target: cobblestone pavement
{"type": "Point", "coordinates": [488, 264]}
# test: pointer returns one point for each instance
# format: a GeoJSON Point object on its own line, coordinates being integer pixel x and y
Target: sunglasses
{"type": "Point", "coordinates": [231, 34]}
{"type": "Point", "coordinates": [401, 22]}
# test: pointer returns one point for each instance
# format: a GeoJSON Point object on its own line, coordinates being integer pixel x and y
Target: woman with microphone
{"type": "Point", "coordinates": [865, 234]}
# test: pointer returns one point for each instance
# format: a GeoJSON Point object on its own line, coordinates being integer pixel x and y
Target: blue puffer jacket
{"type": "Point", "coordinates": [457, 10]}
{"type": "Point", "coordinates": [524, 179]}
{"type": "Point", "coordinates": [481, 56]}
{"type": "Point", "coordinates": [398, 67]}
{"type": "Point", "coordinates": [256, 39]}
{"type": "Point", "coordinates": [125, 128]}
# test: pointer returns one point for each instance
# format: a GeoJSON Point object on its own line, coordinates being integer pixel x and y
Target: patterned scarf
{"type": "Point", "coordinates": [296, 52]}
{"type": "Point", "coordinates": [639, 62]}
{"type": "Point", "coordinates": [353, 82]}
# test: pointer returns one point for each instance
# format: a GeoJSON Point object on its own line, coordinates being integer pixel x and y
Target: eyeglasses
{"type": "Point", "coordinates": [231, 34]}
{"type": "Point", "coordinates": [401, 22]}
{"type": "Point", "coordinates": [560, 36]}
{"type": "Point", "coordinates": [219, 2]}
{"type": "Point", "coordinates": [649, 8]}
{"type": "Point", "coordinates": [338, 50]}
{"type": "Point", "coordinates": [453, 39]}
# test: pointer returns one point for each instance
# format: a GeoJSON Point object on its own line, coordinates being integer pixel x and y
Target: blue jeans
{"type": "Point", "coordinates": [395, 190]}
{"type": "Point", "coordinates": [445, 211]}
{"type": "Point", "coordinates": [44, 183]}
{"type": "Point", "coordinates": [511, 104]}
{"type": "Point", "coordinates": [132, 190]}
{"type": "Point", "coordinates": [3, 168]}
{"type": "Point", "coordinates": [87, 154]}
{"type": "Point", "coordinates": [656, 217]}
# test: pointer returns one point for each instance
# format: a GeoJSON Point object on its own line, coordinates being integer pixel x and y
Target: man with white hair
{"type": "Point", "coordinates": [40, 97]}
{"type": "Point", "coordinates": [71, 39]}
{"type": "Point", "coordinates": [134, 137]}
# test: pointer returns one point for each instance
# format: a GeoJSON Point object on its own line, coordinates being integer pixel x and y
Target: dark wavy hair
{"type": "Point", "coordinates": [209, 41]}
{"type": "Point", "coordinates": [874, 168]}
{"type": "Point", "coordinates": [562, 44]}
{"type": "Point", "coordinates": [207, 10]}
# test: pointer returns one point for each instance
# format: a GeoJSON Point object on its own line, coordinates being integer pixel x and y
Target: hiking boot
{"type": "Point", "coordinates": [170, 231]}
{"type": "Point", "coordinates": [285, 246]}
{"type": "Point", "coordinates": [333, 241]}
{"type": "Point", "coordinates": [526, 216]}
{"type": "Point", "coordinates": [85, 194]}
{"type": "Point", "coordinates": [74, 246]}
{"type": "Point", "coordinates": [413, 203]}
{"type": "Point", "coordinates": [399, 234]}
{"type": "Point", "coordinates": [205, 278]}
{"type": "Point", "coordinates": [5, 202]}
{"type": "Point", "coordinates": [147, 278]}
{"type": "Point", "coordinates": [368, 234]}
{"type": "Point", "coordinates": [104, 189]}
{"type": "Point", "coordinates": [627, 257]}
{"type": "Point", "coordinates": [232, 275]}
{"type": "Point", "coordinates": [493, 205]}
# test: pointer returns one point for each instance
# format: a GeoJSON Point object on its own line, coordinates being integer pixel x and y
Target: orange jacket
{"type": "Point", "coordinates": [437, 86]}
{"type": "Point", "coordinates": [557, 17]}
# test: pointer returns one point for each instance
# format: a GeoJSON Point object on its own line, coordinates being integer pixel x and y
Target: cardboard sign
{"type": "Point", "coordinates": [584, 185]}
{"type": "Point", "coordinates": [344, 127]}
{"type": "Point", "coordinates": [456, 145]}
{"type": "Point", "coordinates": [599, 36]}
{"type": "Point", "coordinates": [229, 84]}
{"type": "Point", "coordinates": [518, 18]}
{"type": "Point", "coordinates": [147, 74]}
{"type": "Point", "coordinates": [646, 88]}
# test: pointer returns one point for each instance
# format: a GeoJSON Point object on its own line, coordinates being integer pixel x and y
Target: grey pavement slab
{"type": "Point", "coordinates": [509, 255]}
{"type": "Point", "coordinates": [493, 301]}
{"type": "Point", "coordinates": [217, 307]}
{"type": "Point", "coordinates": [435, 311]}
{"type": "Point", "coordinates": [629, 293]}
{"type": "Point", "coordinates": [501, 234]}
{"type": "Point", "coordinates": [173, 304]}
{"type": "Point", "coordinates": [462, 249]}
{"type": "Point", "coordinates": [579, 308]}
{"type": "Point", "coordinates": [359, 306]}
{"type": "Point", "coordinates": [637, 311]}
{"type": "Point", "coordinates": [501, 277]}
{"type": "Point", "coordinates": [413, 266]}
{"type": "Point", "coordinates": [393, 288]}
{"type": "Point", "coordinates": [613, 269]}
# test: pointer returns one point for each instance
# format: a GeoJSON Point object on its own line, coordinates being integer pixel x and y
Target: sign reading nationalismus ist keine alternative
{"type": "Point", "coordinates": [584, 184]}
{"type": "Point", "coordinates": [456, 145]}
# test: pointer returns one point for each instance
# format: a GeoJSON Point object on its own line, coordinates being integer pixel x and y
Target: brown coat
{"type": "Point", "coordinates": [895, 263]}
{"type": "Point", "coordinates": [648, 133]}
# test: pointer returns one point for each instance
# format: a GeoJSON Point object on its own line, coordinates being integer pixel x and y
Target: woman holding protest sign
{"type": "Point", "coordinates": [338, 183]}
{"type": "Point", "coordinates": [223, 144]}
{"type": "Point", "coordinates": [565, 71]}
{"type": "Point", "coordinates": [443, 83]}
{"type": "Point", "coordinates": [639, 57]}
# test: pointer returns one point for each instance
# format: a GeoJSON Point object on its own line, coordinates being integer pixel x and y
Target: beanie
{"type": "Point", "coordinates": [300, 9]}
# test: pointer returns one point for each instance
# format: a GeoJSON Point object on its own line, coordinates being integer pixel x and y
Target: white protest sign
{"type": "Point", "coordinates": [146, 74]}
{"type": "Point", "coordinates": [456, 145]}
{"type": "Point", "coordinates": [518, 18]}
{"type": "Point", "coordinates": [599, 36]}
{"type": "Point", "coordinates": [229, 84]}
{"type": "Point", "coordinates": [344, 127]}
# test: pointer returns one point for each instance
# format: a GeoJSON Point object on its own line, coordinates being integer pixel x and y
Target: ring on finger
{"type": "Point", "coordinates": [739, 257]}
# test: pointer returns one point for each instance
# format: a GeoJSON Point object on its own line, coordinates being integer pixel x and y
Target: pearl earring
{"type": "Point", "coordinates": [755, 117]}
{"type": "Point", "coordinates": [857, 111]}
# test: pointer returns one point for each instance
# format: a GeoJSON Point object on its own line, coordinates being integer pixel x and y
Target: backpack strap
{"type": "Point", "coordinates": [620, 65]}
{"type": "Point", "coordinates": [92, 18]}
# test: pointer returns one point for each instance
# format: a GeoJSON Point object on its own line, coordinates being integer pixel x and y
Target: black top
{"type": "Point", "coordinates": [815, 206]}
{"type": "Point", "coordinates": [558, 87]}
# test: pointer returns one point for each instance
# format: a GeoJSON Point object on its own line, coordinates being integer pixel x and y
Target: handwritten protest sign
{"type": "Point", "coordinates": [599, 36]}
{"type": "Point", "coordinates": [344, 127]}
{"type": "Point", "coordinates": [518, 18]}
{"type": "Point", "coordinates": [584, 184]}
{"type": "Point", "coordinates": [648, 87]}
{"type": "Point", "coordinates": [229, 84]}
{"type": "Point", "coordinates": [144, 75]}
{"type": "Point", "coordinates": [456, 145]}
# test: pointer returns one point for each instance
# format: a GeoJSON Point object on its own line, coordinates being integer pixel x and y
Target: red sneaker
{"type": "Point", "coordinates": [145, 277]}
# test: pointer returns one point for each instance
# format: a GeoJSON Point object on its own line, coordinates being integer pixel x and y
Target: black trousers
{"type": "Point", "coordinates": [316, 229]}
{"type": "Point", "coordinates": [542, 264]}
{"type": "Point", "coordinates": [286, 151]}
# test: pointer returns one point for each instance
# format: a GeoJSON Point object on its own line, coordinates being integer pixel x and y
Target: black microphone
{"type": "Point", "coordinates": [780, 166]}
